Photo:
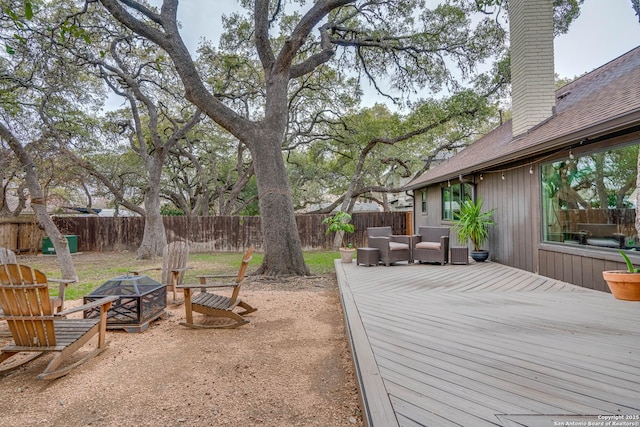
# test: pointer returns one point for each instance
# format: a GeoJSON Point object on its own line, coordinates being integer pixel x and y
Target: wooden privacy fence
{"type": "Point", "coordinates": [21, 234]}
{"type": "Point", "coordinates": [204, 234]}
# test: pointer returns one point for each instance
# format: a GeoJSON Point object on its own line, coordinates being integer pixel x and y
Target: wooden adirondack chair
{"type": "Point", "coordinates": [215, 305]}
{"type": "Point", "coordinates": [7, 256]}
{"type": "Point", "coordinates": [174, 264]}
{"type": "Point", "coordinates": [36, 329]}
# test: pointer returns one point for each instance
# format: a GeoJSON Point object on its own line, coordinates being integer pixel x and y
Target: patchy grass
{"type": "Point", "coordinates": [95, 268]}
{"type": "Point", "coordinates": [321, 262]}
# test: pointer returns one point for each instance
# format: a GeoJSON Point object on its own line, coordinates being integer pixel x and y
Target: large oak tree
{"type": "Point", "coordinates": [401, 39]}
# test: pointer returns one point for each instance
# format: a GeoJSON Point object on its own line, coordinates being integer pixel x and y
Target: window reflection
{"type": "Point", "coordinates": [424, 201]}
{"type": "Point", "coordinates": [590, 199]}
{"type": "Point", "coordinates": [452, 196]}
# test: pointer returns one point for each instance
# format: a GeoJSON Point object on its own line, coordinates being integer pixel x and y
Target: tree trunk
{"type": "Point", "coordinates": [282, 247]}
{"type": "Point", "coordinates": [348, 202]}
{"type": "Point", "coordinates": [155, 238]}
{"type": "Point", "coordinates": [346, 206]}
{"type": "Point", "coordinates": [60, 244]}
{"type": "Point", "coordinates": [283, 251]}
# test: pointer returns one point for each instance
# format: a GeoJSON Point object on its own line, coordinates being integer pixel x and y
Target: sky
{"type": "Point", "coordinates": [604, 30]}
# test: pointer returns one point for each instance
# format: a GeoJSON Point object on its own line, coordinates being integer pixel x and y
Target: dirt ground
{"type": "Point", "coordinates": [290, 366]}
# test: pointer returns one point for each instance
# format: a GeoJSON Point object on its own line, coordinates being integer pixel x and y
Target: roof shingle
{"type": "Point", "coordinates": [603, 100]}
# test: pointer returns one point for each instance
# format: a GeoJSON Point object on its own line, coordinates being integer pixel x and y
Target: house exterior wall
{"type": "Point", "coordinates": [515, 240]}
{"type": "Point", "coordinates": [515, 198]}
{"type": "Point", "coordinates": [433, 215]}
{"type": "Point", "coordinates": [577, 265]}
{"type": "Point", "coordinates": [583, 268]}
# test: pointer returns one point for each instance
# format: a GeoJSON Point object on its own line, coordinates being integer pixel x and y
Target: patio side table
{"type": "Point", "coordinates": [367, 256]}
{"type": "Point", "coordinates": [459, 255]}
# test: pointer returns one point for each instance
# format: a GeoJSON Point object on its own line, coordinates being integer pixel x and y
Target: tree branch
{"type": "Point", "coordinates": [171, 41]}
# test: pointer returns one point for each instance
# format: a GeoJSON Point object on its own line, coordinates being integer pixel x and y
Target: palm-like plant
{"type": "Point", "coordinates": [473, 224]}
{"type": "Point", "coordinates": [630, 267]}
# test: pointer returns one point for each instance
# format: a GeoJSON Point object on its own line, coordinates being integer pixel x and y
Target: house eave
{"type": "Point", "coordinates": [627, 123]}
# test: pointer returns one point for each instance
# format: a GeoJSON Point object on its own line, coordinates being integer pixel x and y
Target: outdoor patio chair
{"type": "Point", "coordinates": [36, 329]}
{"type": "Point", "coordinates": [216, 305]}
{"type": "Point", "coordinates": [432, 245]}
{"type": "Point", "coordinates": [174, 264]}
{"type": "Point", "coordinates": [7, 256]}
{"type": "Point", "coordinates": [392, 248]}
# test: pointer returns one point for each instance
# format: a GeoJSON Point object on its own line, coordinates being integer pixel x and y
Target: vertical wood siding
{"type": "Point", "coordinates": [580, 269]}
{"type": "Point", "coordinates": [515, 238]}
{"type": "Point", "coordinates": [512, 240]}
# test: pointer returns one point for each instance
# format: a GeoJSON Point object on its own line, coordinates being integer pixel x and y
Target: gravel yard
{"type": "Point", "coordinates": [290, 366]}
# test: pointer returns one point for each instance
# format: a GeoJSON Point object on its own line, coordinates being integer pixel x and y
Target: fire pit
{"type": "Point", "coordinates": [141, 301]}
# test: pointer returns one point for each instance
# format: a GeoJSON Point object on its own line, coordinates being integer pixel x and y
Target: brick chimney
{"type": "Point", "coordinates": [532, 72]}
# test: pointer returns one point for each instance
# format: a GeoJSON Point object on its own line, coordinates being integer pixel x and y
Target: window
{"type": "Point", "coordinates": [424, 201]}
{"type": "Point", "coordinates": [590, 199]}
{"type": "Point", "coordinates": [452, 195]}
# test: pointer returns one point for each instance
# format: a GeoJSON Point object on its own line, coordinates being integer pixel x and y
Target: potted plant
{"type": "Point", "coordinates": [472, 224]}
{"type": "Point", "coordinates": [624, 284]}
{"type": "Point", "coordinates": [341, 223]}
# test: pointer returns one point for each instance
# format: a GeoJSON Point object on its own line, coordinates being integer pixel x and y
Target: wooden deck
{"type": "Point", "coordinates": [485, 345]}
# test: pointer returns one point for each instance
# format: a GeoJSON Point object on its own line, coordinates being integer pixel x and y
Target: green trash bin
{"type": "Point", "coordinates": [48, 249]}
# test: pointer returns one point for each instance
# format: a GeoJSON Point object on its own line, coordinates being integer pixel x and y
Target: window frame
{"type": "Point", "coordinates": [462, 189]}
{"type": "Point", "coordinates": [563, 224]}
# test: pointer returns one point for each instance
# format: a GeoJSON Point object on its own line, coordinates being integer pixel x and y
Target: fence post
{"type": "Point", "coordinates": [409, 223]}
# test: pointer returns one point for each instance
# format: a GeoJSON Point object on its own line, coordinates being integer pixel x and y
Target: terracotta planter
{"type": "Point", "coordinates": [623, 285]}
{"type": "Point", "coordinates": [347, 255]}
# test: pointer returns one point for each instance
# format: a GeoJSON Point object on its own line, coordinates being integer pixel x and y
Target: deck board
{"type": "Point", "coordinates": [476, 344]}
